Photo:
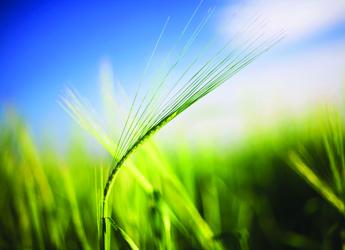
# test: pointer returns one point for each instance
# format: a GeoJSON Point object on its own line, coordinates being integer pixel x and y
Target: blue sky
{"type": "Point", "coordinates": [48, 44]}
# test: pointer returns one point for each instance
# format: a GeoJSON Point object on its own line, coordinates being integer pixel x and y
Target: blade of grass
{"type": "Point", "coordinates": [317, 184]}
{"type": "Point", "coordinates": [124, 235]}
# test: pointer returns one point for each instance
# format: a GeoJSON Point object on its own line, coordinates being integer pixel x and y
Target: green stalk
{"type": "Point", "coordinates": [114, 171]}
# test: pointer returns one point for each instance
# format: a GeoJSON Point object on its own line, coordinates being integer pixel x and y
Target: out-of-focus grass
{"type": "Point", "coordinates": [243, 196]}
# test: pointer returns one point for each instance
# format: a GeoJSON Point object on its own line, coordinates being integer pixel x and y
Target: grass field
{"type": "Point", "coordinates": [279, 188]}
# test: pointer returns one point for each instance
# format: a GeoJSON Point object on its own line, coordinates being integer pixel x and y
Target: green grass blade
{"type": "Point", "coordinates": [316, 183]}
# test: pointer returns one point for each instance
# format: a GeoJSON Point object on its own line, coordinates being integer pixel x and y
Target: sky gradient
{"type": "Point", "coordinates": [46, 45]}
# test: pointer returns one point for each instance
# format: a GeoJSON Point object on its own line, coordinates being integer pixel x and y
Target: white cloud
{"type": "Point", "coordinates": [265, 92]}
{"type": "Point", "coordinates": [298, 18]}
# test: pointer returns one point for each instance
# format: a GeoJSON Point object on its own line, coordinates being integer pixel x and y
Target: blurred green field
{"type": "Point", "coordinates": [115, 184]}
{"type": "Point", "coordinates": [278, 188]}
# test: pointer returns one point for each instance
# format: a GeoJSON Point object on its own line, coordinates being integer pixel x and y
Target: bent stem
{"type": "Point", "coordinates": [115, 170]}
